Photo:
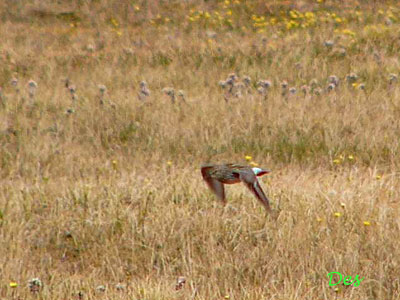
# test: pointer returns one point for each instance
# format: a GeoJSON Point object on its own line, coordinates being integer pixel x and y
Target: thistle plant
{"type": "Point", "coordinates": [101, 288]}
{"type": "Point", "coordinates": [313, 83]}
{"type": "Point", "coordinates": [180, 282]}
{"type": "Point", "coordinates": [14, 83]}
{"type": "Point", "coordinates": [247, 81]}
{"type": "Point", "coordinates": [144, 91]}
{"type": "Point", "coordinates": [351, 78]}
{"type": "Point", "coordinates": [70, 111]}
{"type": "Point", "coordinates": [181, 95]}
{"type": "Point", "coordinates": [230, 81]}
{"type": "Point", "coordinates": [169, 91]}
{"type": "Point", "coordinates": [392, 78]}
{"type": "Point", "coordinates": [331, 87]}
{"type": "Point", "coordinates": [120, 287]}
{"type": "Point", "coordinates": [284, 87]}
{"type": "Point", "coordinates": [305, 89]}
{"type": "Point", "coordinates": [329, 43]}
{"type": "Point", "coordinates": [333, 79]}
{"type": "Point", "coordinates": [261, 91]}
{"type": "Point", "coordinates": [35, 284]}
{"type": "Point", "coordinates": [32, 86]}
{"type": "Point", "coordinates": [102, 92]}
{"type": "Point", "coordinates": [263, 87]}
{"type": "Point", "coordinates": [238, 89]}
{"type": "Point", "coordinates": [222, 84]}
{"type": "Point", "coordinates": [317, 91]}
{"type": "Point", "coordinates": [72, 91]}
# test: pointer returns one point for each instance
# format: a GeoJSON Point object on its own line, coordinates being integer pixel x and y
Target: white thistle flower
{"type": "Point", "coordinates": [102, 88]}
{"type": "Point", "coordinates": [34, 285]}
{"type": "Point", "coordinates": [101, 288]}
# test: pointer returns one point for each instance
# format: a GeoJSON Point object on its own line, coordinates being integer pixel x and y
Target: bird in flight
{"type": "Point", "coordinates": [217, 175]}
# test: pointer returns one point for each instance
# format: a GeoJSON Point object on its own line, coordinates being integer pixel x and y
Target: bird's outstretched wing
{"type": "Point", "coordinates": [216, 186]}
{"type": "Point", "coordinates": [250, 180]}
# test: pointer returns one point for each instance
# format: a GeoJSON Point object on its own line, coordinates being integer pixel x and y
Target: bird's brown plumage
{"type": "Point", "coordinates": [217, 175]}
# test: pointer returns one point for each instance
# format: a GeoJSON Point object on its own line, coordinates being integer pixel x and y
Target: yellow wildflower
{"type": "Point", "coordinates": [169, 163]}
{"type": "Point", "coordinates": [337, 214]}
{"type": "Point", "coordinates": [248, 157]}
{"type": "Point", "coordinates": [309, 15]}
{"type": "Point", "coordinates": [293, 14]}
{"type": "Point", "coordinates": [114, 22]}
{"type": "Point", "coordinates": [367, 223]}
{"type": "Point", "coordinates": [336, 161]}
{"type": "Point", "coordinates": [350, 157]}
{"type": "Point", "coordinates": [348, 32]}
{"type": "Point", "coordinates": [342, 204]}
{"type": "Point", "coordinates": [378, 177]}
{"type": "Point", "coordinates": [13, 284]}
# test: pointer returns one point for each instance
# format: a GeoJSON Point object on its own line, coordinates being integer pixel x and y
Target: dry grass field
{"type": "Point", "coordinates": [101, 195]}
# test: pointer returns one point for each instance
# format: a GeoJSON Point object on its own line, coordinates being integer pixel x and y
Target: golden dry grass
{"type": "Point", "coordinates": [113, 194]}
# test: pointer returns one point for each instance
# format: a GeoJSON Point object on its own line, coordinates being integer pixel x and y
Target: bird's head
{"type": "Point", "coordinates": [260, 172]}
